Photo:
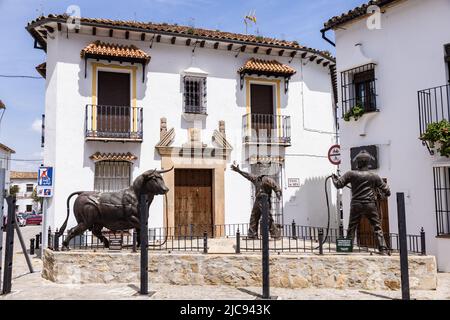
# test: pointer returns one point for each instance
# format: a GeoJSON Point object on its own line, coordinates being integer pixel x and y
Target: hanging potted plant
{"type": "Point", "coordinates": [356, 112]}
{"type": "Point", "coordinates": [437, 136]}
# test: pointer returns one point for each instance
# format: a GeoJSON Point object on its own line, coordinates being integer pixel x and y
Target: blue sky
{"type": "Point", "coordinates": [298, 20]}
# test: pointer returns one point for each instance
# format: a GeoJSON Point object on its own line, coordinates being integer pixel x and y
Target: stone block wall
{"type": "Point", "coordinates": [244, 270]}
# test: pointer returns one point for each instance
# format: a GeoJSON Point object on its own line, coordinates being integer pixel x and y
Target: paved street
{"type": "Point", "coordinates": [28, 286]}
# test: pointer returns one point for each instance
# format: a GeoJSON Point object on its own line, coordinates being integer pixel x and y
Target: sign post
{"type": "Point", "coordinates": [2, 197]}
{"type": "Point", "coordinates": [45, 190]}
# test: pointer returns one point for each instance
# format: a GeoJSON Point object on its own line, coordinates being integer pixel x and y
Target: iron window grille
{"type": "Point", "coordinates": [29, 188]}
{"type": "Point", "coordinates": [358, 88]}
{"type": "Point", "coordinates": [112, 175]}
{"type": "Point", "coordinates": [442, 199]}
{"type": "Point", "coordinates": [447, 60]}
{"type": "Point", "coordinates": [194, 95]}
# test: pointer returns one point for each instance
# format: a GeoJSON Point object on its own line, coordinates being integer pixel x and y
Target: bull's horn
{"type": "Point", "coordinates": [149, 172]}
{"type": "Point", "coordinates": [164, 171]}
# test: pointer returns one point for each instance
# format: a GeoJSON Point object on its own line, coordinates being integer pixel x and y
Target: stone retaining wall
{"type": "Point", "coordinates": [286, 271]}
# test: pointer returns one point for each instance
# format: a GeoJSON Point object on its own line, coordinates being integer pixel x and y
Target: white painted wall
{"type": "Point", "coordinates": [24, 197]}
{"type": "Point", "coordinates": [409, 52]}
{"type": "Point", "coordinates": [308, 102]}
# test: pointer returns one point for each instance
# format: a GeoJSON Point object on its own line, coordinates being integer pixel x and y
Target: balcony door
{"type": "Point", "coordinates": [113, 110]}
{"type": "Point", "coordinates": [262, 110]}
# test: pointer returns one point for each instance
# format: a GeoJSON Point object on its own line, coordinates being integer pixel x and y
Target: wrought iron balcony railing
{"type": "Point", "coordinates": [117, 123]}
{"type": "Point", "coordinates": [266, 129]}
{"type": "Point", "coordinates": [434, 106]}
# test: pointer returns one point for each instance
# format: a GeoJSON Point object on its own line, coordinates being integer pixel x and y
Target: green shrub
{"type": "Point", "coordinates": [356, 112]}
{"type": "Point", "coordinates": [438, 132]}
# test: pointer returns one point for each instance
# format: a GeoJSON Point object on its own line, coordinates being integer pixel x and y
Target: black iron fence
{"type": "Point", "coordinates": [266, 128]}
{"type": "Point", "coordinates": [197, 238]}
{"type": "Point", "coordinates": [114, 122]}
{"type": "Point", "coordinates": [434, 106]}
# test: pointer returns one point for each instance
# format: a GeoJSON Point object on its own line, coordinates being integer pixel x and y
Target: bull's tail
{"type": "Point", "coordinates": [63, 227]}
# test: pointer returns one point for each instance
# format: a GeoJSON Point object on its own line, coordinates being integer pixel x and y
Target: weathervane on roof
{"type": "Point", "coordinates": [249, 18]}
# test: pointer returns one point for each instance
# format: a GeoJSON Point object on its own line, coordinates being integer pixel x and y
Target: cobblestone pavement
{"type": "Point", "coordinates": [28, 286]}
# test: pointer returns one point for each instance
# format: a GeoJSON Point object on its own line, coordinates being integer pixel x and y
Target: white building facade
{"type": "Point", "coordinates": [26, 182]}
{"type": "Point", "coordinates": [124, 97]}
{"type": "Point", "coordinates": [386, 62]}
{"type": "Point", "coordinates": [5, 162]}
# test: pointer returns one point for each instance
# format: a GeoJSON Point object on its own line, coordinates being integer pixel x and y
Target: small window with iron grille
{"type": "Point", "coordinates": [112, 175]}
{"type": "Point", "coordinates": [358, 89]}
{"type": "Point", "coordinates": [194, 95]}
{"type": "Point", "coordinates": [442, 199]}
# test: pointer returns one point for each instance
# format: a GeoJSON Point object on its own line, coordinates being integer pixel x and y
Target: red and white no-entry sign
{"type": "Point", "coordinates": [334, 154]}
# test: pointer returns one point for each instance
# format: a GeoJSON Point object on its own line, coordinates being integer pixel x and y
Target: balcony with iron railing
{"type": "Point", "coordinates": [114, 123]}
{"type": "Point", "coordinates": [266, 129]}
{"type": "Point", "coordinates": [434, 106]}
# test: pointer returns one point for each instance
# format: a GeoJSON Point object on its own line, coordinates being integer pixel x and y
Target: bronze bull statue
{"type": "Point", "coordinates": [115, 211]}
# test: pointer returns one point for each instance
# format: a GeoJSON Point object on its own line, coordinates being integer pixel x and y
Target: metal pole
{"type": "Point", "coordinates": [22, 243]}
{"type": "Point", "coordinates": [321, 241]}
{"type": "Point", "coordinates": [7, 272]}
{"type": "Point", "coordinates": [31, 246]}
{"type": "Point", "coordinates": [294, 230]}
{"type": "Point", "coordinates": [205, 242]}
{"type": "Point", "coordinates": [238, 241]}
{"type": "Point", "coordinates": [2, 198]}
{"type": "Point", "coordinates": [403, 246]}
{"type": "Point", "coordinates": [45, 227]}
{"type": "Point", "coordinates": [144, 243]}
{"type": "Point", "coordinates": [264, 198]}
{"type": "Point", "coordinates": [422, 242]}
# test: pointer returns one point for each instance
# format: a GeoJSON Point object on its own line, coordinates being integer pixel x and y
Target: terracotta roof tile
{"type": "Point", "coordinates": [174, 29]}
{"type": "Point", "coordinates": [266, 67]}
{"type": "Point", "coordinates": [355, 13]}
{"type": "Point", "coordinates": [23, 175]}
{"type": "Point", "coordinates": [104, 49]}
{"type": "Point", "coordinates": [98, 156]}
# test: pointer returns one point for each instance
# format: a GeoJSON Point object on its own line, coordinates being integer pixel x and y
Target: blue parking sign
{"type": "Point", "coordinates": [45, 177]}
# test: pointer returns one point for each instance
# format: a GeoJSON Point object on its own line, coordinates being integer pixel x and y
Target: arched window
{"type": "Point", "coordinates": [112, 175]}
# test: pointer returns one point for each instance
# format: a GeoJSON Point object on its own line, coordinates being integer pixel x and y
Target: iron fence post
{"type": "Point", "coordinates": [31, 246]}
{"type": "Point", "coordinates": [422, 242]}
{"type": "Point", "coordinates": [264, 198]}
{"type": "Point", "coordinates": [320, 234]}
{"type": "Point", "coordinates": [205, 242]}
{"type": "Point", "coordinates": [134, 241]}
{"type": "Point", "coordinates": [403, 246]}
{"type": "Point", "coordinates": [49, 237]}
{"type": "Point", "coordinates": [144, 243]}
{"type": "Point", "coordinates": [56, 241]}
{"type": "Point", "coordinates": [40, 237]}
{"type": "Point", "coordinates": [238, 242]}
{"type": "Point", "coordinates": [294, 230]}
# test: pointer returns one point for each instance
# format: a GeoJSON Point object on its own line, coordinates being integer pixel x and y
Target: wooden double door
{"type": "Point", "coordinates": [262, 110]}
{"type": "Point", "coordinates": [113, 109]}
{"type": "Point", "coordinates": [193, 202]}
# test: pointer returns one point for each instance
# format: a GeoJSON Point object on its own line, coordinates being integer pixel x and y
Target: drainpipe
{"type": "Point", "coordinates": [324, 36]}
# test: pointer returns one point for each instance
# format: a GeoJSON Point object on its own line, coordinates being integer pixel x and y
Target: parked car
{"type": "Point", "coordinates": [21, 219]}
{"type": "Point", "coordinates": [34, 219]}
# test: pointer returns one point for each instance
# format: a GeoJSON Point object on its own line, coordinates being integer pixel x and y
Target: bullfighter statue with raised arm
{"type": "Point", "coordinates": [365, 186]}
{"type": "Point", "coordinates": [263, 185]}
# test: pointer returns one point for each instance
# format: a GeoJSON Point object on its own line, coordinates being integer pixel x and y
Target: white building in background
{"type": "Point", "coordinates": [386, 69]}
{"type": "Point", "coordinates": [26, 182]}
{"type": "Point", "coordinates": [125, 97]}
{"type": "Point", "coordinates": [5, 162]}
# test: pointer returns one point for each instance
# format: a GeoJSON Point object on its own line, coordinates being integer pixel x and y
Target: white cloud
{"type": "Point", "coordinates": [37, 125]}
